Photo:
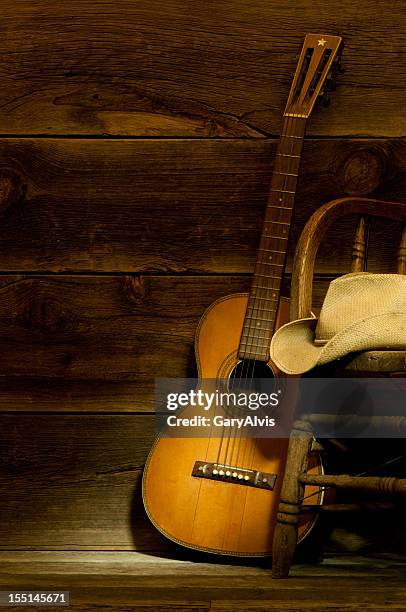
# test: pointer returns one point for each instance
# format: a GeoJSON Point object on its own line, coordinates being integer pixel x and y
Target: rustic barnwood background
{"type": "Point", "coordinates": [136, 145]}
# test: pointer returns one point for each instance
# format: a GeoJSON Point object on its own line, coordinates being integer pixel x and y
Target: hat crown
{"type": "Point", "coordinates": [356, 297]}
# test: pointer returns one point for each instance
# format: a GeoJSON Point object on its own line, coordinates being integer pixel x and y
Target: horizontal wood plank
{"type": "Point", "coordinates": [96, 344]}
{"type": "Point", "coordinates": [124, 581]}
{"type": "Point", "coordinates": [138, 68]}
{"type": "Point", "coordinates": [177, 206]}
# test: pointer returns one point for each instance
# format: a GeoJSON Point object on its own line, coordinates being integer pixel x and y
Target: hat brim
{"type": "Point", "coordinates": [293, 351]}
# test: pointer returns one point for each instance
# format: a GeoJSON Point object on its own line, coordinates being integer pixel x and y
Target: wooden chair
{"type": "Point", "coordinates": [370, 363]}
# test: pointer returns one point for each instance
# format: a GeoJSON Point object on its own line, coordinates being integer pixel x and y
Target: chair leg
{"type": "Point", "coordinates": [286, 529]}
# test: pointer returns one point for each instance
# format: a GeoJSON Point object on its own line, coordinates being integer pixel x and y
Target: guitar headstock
{"type": "Point", "coordinates": [315, 72]}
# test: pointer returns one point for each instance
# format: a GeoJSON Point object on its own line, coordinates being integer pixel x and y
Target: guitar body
{"type": "Point", "coordinates": [209, 514]}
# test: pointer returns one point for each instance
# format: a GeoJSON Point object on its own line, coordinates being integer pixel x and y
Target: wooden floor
{"type": "Point", "coordinates": [139, 581]}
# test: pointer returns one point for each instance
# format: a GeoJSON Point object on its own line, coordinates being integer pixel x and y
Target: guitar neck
{"type": "Point", "coordinates": [319, 53]}
{"type": "Point", "coordinates": [264, 297]}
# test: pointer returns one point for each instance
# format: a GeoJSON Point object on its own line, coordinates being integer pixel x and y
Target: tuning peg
{"type": "Point", "coordinates": [331, 84]}
{"type": "Point", "coordinates": [324, 99]}
{"type": "Point", "coordinates": [338, 67]}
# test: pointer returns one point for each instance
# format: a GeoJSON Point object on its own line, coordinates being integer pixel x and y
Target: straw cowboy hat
{"type": "Point", "coordinates": [361, 311]}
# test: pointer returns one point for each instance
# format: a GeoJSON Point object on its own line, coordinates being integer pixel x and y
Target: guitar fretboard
{"type": "Point", "coordinates": [263, 301]}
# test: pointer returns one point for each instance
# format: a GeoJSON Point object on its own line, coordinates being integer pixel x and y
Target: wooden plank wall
{"type": "Point", "coordinates": [136, 144]}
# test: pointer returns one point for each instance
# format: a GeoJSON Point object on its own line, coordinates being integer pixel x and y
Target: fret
{"type": "Point", "coordinates": [262, 287]}
{"type": "Point", "coordinates": [278, 217]}
{"type": "Point", "coordinates": [255, 352]}
{"type": "Point", "coordinates": [261, 308]}
{"type": "Point", "coordinates": [252, 308]}
{"type": "Point", "coordinates": [256, 304]}
{"type": "Point", "coordinates": [276, 238]}
{"type": "Point", "coordinates": [272, 251]}
{"type": "Point", "coordinates": [281, 191]}
{"type": "Point", "coordinates": [286, 173]}
{"type": "Point", "coordinates": [262, 343]}
{"type": "Point", "coordinates": [265, 276]}
{"type": "Point", "coordinates": [270, 276]}
{"type": "Point", "coordinates": [263, 356]}
{"type": "Point", "coordinates": [265, 338]}
{"type": "Point", "coordinates": [258, 321]}
{"type": "Point", "coordinates": [251, 328]}
{"type": "Point", "coordinates": [270, 288]}
{"type": "Point", "coordinates": [269, 263]}
{"type": "Point", "coordinates": [278, 222]}
{"type": "Point", "coordinates": [257, 296]}
{"type": "Point", "coordinates": [274, 297]}
{"type": "Point", "coordinates": [254, 329]}
{"type": "Point", "coordinates": [274, 289]}
{"type": "Point", "coordinates": [253, 334]}
{"type": "Point", "coordinates": [287, 155]}
{"type": "Point", "coordinates": [262, 299]}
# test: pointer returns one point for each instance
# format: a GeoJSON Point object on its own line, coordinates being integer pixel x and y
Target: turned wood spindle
{"type": "Point", "coordinates": [359, 246]}
{"type": "Point", "coordinates": [388, 485]}
{"type": "Point", "coordinates": [286, 530]}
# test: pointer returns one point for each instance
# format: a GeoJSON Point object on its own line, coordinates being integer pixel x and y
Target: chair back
{"type": "Point", "coordinates": [316, 228]}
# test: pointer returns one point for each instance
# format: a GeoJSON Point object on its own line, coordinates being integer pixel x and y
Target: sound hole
{"type": "Point", "coordinates": [251, 376]}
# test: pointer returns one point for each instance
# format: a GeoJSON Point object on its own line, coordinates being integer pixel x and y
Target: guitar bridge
{"type": "Point", "coordinates": [234, 475]}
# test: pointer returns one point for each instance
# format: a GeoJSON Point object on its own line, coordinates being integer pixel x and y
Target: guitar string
{"type": "Point", "coordinates": [260, 307]}
{"type": "Point", "coordinates": [256, 307]}
{"type": "Point", "coordinates": [286, 168]}
{"type": "Point", "coordinates": [253, 310]}
{"type": "Point", "coordinates": [268, 281]}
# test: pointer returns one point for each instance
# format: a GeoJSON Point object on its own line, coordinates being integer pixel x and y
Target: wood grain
{"type": "Point", "coordinates": [119, 67]}
{"type": "Point", "coordinates": [96, 344]}
{"type": "Point", "coordinates": [176, 206]}
{"type": "Point", "coordinates": [74, 482]}
{"type": "Point", "coordinates": [126, 581]}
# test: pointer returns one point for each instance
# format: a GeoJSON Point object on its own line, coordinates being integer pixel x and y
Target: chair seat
{"type": "Point", "coordinates": [378, 361]}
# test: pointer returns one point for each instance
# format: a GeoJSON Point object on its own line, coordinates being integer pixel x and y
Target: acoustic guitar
{"type": "Point", "coordinates": [221, 495]}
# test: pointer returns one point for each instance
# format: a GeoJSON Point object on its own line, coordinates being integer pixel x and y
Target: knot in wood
{"type": "Point", "coordinates": [11, 189]}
